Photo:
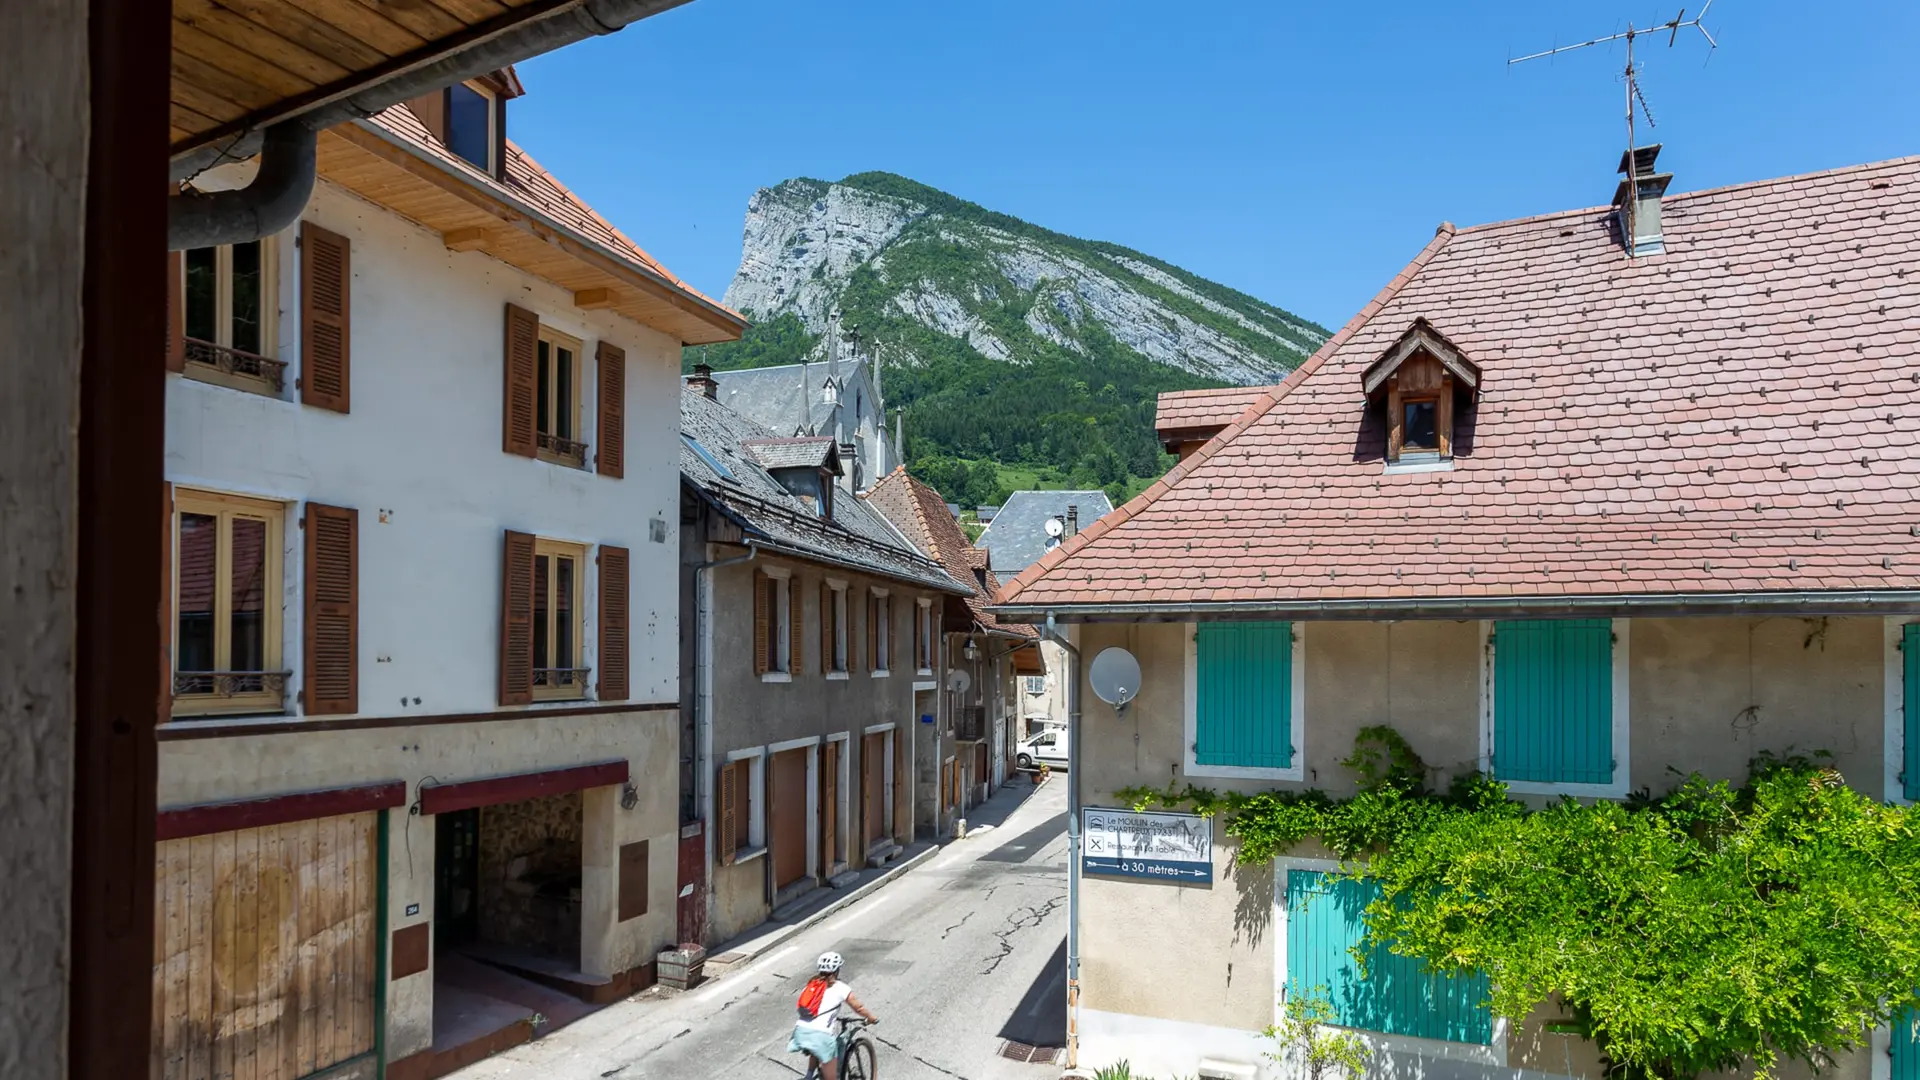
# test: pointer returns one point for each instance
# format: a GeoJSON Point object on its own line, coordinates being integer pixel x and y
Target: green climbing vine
{"type": "Point", "coordinates": [1711, 928]}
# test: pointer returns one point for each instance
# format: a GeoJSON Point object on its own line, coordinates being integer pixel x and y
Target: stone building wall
{"type": "Point", "coordinates": [530, 874]}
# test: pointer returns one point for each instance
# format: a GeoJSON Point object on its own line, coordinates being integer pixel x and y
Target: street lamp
{"type": "Point", "coordinates": [970, 650]}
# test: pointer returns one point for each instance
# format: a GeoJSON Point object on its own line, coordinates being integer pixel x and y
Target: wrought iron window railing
{"type": "Point", "coordinates": [569, 449]}
{"type": "Point", "coordinates": [227, 684]}
{"type": "Point", "coordinates": [229, 361]}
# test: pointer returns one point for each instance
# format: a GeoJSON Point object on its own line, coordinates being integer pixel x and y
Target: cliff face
{"type": "Point", "coordinates": [885, 248]}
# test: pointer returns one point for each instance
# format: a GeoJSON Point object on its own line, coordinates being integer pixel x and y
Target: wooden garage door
{"type": "Point", "coordinates": [264, 950]}
{"type": "Point", "coordinates": [787, 814]}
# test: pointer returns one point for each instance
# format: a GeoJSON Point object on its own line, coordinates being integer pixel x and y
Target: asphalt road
{"type": "Point", "coordinates": [957, 955]}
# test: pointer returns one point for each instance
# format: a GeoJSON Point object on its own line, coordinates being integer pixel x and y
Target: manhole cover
{"type": "Point", "coordinates": [1033, 1055]}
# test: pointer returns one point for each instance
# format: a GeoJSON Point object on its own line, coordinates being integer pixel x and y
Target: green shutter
{"type": "Point", "coordinates": [1553, 701]}
{"type": "Point", "coordinates": [1243, 699]}
{"type": "Point", "coordinates": [1910, 715]}
{"type": "Point", "coordinates": [1905, 1046]}
{"type": "Point", "coordinates": [1326, 918]}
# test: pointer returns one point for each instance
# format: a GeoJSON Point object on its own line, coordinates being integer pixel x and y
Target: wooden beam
{"type": "Point", "coordinates": [472, 238]}
{"type": "Point", "coordinates": [445, 798]}
{"type": "Point", "coordinates": [178, 821]}
{"type": "Point", "coordinates": [594, 299]}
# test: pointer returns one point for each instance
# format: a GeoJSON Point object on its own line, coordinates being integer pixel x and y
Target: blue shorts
{"type": "Point", "coordinates": [823, 1045]}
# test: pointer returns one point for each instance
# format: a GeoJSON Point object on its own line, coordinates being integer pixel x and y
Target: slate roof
{"type": "Point", "coordinates": [770, 395]}
{"type": "Point", "coordinates": [803, 452]}
{"type": "Point", "coordinates": [857, 537]}
{"type": "Point", "coordinates": [918, 512]}
{"type": "Point", "coordinates": [1017, 536]}
{"type": "Point", "coordinates": [527, 182]}
{"type": "Point", "coordinates": [1733, 417]}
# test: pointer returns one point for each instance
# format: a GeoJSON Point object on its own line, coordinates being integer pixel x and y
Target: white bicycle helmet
{"type": "Point", "coordinates": [830, 963]}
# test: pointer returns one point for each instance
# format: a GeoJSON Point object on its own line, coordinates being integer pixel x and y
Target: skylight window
{"type": "Point", "coordinates": [707, 456]}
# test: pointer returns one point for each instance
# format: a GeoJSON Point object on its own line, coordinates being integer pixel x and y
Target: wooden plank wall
{"type": "Point", "coordinates": [263, 963]}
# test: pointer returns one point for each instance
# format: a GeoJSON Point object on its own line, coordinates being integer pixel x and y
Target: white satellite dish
{"type": "Point", "coordinates": [1055, 526]}
{"type": "Point", "coordinates": [1115, 676]}
{"type": "Point", "coordinates": [958, 681]}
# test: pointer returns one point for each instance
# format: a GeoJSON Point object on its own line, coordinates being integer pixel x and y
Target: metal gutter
{"type": "Point", "coordinates": [270, 203]}
{"type": "Point", "coordinates": [1050, 629]}
{"type": "Point", "coordinates": [953, 585]}
{"type": "Point", "coordinates": [1799, 602]}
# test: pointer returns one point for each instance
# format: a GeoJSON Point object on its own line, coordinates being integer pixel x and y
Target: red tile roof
{"type": "Point", "coordinates": [526, 181]}
{"type": "Point", "coordinates": [922, 516]}
{"type": "Point", "coordinates": [1190, 410]}
{"type": "Point", "coordinates": [1736, 415]}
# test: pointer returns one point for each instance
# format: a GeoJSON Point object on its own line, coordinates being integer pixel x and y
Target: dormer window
{"type": "Point", "coordinates": [1421, 380]}
{"type": "Point", "coordinates": [470, 125]}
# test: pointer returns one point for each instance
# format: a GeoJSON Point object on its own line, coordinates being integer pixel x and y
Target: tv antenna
{"type": "Point", "coordinates": [1631, 77]}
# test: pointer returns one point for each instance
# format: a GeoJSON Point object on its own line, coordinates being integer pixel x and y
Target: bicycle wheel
{"type": "Point", "coordinates": [858, 1062]}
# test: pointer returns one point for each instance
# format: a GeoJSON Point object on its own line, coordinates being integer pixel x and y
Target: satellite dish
{"type": "Point", "coordinates": [958, 681]}
{"type": "Point", "coordinates": [1055, 526]}
{"type": "Point", "coordinates": [1115, 676]}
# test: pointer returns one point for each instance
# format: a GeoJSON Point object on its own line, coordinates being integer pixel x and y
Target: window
{"type": "Point", "coordinates": [743, 809]}
{"type": "Point", "coordinates": [1419, 381]}
{"type": "Point", "coordinates": [557, 398]}
{"type": "Point", "coordinates": [923, 637]}
{"type": "Point", "coordinates": [880, 631]}
{"type": "Point", "coordinates": [226, 602]}
{"type": "Point", "coordinates": [740, 797]}
{"type": "Point", "coordinates": [228, 298]}
{"type": "Point", "coordinates": [835, 615]}
{"type": "Point", "coordinates": [1326, 918]}
{"type": "Point", "coordinates": [1553, 701]}
{"type": "Point", "coordinates": [1421, 433]}
{"type": "Point", "coordinates": [557, 571]}
{"type": "Point", "coordinates": [470, 126]}
{"type": "Point", "coordinates": [706, 456]}
{"type": "Point", "coordinates": [779, 624]}
{"type": "Point", "coordinates": [1035, 684]}
{"type": "Point", "coordinates": [1245, 699]}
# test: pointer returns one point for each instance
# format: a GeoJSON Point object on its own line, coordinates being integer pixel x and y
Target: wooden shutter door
{"type": "Point", "coordinates": [332, 647]}
{"type": "Point", "coordinates": [611, 458]}
{"type": "Point", "coordinates": [326, 287]}
{"type": "Point", "coordinates": [614, 636]}
{"type": "Point", "coordinates": [796, 612]}
{"type": "Point", "coordinates": [729, 808]}
{"type": "Point", "coordinates": [522, 375]}
{"type": "Point", "coordinates": [829, 807]}
{"type": "Point", "coordinates": [176, 311]}
{"type": "Point", "coordinates": [516, 619]}
{"type": "Point", "coordinates": [762, 623]}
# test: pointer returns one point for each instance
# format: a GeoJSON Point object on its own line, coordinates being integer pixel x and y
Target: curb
{"type": "Point", "coordinates": [776, 937]}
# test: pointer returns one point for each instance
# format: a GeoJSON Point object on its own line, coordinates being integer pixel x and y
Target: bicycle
{"type": "Point", "coordinates": [858, 1060]}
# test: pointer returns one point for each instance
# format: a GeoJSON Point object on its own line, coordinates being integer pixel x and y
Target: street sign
{"type": "Point", "coordinates": [1164, 847]}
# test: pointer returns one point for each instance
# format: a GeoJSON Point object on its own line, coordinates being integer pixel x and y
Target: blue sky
{"type": "Point", "coordinates": [1300, 152]}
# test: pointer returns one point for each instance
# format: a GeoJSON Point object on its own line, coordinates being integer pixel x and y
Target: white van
{"type": "Point", "coordinates": [1047, 748]}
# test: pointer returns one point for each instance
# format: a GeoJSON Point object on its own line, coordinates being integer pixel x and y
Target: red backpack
{"type": "Point", "coordinates": [810, 996]}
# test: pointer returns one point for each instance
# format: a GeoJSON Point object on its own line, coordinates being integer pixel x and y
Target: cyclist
{"type": "Point", "coordinates": [817, 1034]}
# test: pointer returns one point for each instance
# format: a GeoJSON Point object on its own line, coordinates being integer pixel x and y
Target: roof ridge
{"type": "Point", "coordinates": [1260, 407]}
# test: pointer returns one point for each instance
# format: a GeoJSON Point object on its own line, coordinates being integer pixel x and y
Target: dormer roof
{"type": "Point", "coordinates": [800, 452]}
{"type": "Point", "coordinates": [1418, 338]}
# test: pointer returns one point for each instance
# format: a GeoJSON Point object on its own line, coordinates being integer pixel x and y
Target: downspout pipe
{"type": "Point", "coordinates": [273, 201]}
{"type": "Point", "coordinates": [703, 699]}
{"type": "Point", "coordinates": [570, 23]}
{"type": "Point", "coordinates": [1052, 632]}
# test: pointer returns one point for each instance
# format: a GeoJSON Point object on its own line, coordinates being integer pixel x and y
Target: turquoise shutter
{"type": "Point", "coordinates": [1905, 1046]}
{"type": "Point", "coordinates": [1243, 699]}
{"type": "Point", "coordinates": [1910, 714]}
{"type": "Point", "coordinates": [1553, 701]}
{"type": "Point", "coordinates": [1326, 918]}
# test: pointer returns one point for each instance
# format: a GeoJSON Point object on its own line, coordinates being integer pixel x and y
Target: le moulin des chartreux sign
{"type": "Point", "coordinates": [1127, 843]}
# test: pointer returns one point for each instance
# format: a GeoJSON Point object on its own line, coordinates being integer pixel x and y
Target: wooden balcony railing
{"type": "Point", "coordinates": [237, 362]}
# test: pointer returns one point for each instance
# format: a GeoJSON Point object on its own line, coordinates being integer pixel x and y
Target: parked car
{"type": "Point", "coordinates": [1047, 748]}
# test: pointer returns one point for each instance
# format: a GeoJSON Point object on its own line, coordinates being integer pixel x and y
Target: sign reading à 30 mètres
{"type": "Point", "coordinates": [1164, 847]}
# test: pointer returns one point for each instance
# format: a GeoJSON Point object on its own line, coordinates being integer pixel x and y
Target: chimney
{"type": "Point", "coordinates": [702, 380]}
{"type": "Point", "coordinates": [1637, 200]}
{"type": "Point", "coordinates": [1073, 519]}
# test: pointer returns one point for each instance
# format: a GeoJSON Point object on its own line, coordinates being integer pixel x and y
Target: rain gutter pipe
{"type": "Point", "coordinates": [703, 690]}
{"type": "Point", "coordinates": [286, 141]}
{"type": "Point", "coordinates": [1052, 631]}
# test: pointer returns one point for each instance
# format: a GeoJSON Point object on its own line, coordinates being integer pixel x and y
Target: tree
{"type": "Point", "coordinates": [1305, 1034]}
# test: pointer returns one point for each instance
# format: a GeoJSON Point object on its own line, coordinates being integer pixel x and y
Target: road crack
{"type": "Point", "coordinates": [1017, 920]}
{"type": "Point", "coordinates": [937, 1068]}
{"type": "Point", "coordinates": [956, 926]}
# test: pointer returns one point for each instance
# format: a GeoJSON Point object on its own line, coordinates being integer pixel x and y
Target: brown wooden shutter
{"type": "Point", "coordinates": [873, 658]}
{"type": "Point", "coordinates": [332, 618]}
{"type": "Point", "coordinates": [326, 289]}
{"type": "Point", "coordinates": [729, 807]}
{"type": "Point", "coordinates": [167, 615]}
{"type": "Point", "coordinates": [176, 314]}
{"type": "Point", "coordinates": [829, 807]}
{"type": "Point", "coordinates": [614, 639]}
{"type": "Point", "coordinates": [797, 621]}
{"type": "Point", "coordinates": [901, 814]}
{"type": "Point", "coordinates": [826, 628]}
{"type": "Point", "coordinates": [516, 619]}
{"type": "Point", "coordinates": [611, 458]}
{"type": "Point", "coordinates": [518, 435]}
{"type": "Point", "coordinates": [762, 623]}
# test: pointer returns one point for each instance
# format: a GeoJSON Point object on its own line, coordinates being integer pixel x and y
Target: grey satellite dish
{"type": "Point", "coordinates": [1115, 676]}
{"type": "Point", "coordinates": [958, 681]}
